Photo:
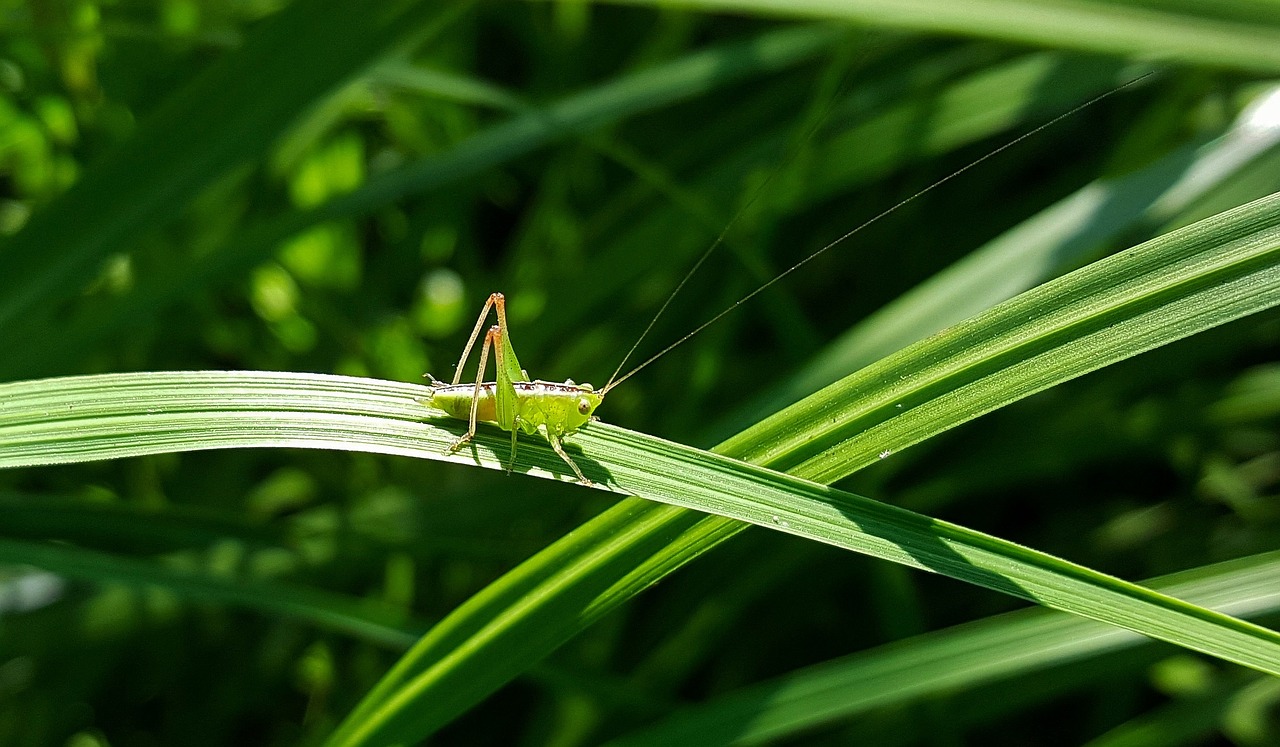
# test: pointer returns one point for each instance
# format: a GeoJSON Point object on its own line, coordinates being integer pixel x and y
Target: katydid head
{"type": "Point", "coordinates": [584, 406]}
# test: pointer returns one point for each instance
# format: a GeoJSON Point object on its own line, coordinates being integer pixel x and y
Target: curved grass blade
{"type": "Point", "coordinates": [994, 649]}
{"type": "Point", "coordinates": [132, 414]}
{"type": "Point", "coordinates": [634, 544]}
{"type": "Point", "coordinates": [106, 416]}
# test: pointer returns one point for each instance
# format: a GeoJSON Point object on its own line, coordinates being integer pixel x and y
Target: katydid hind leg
{"type": "Point", "coordinates": [495, 299]}
{"type": "Point", "coordinates": [506, 402]}
{"type": "Point", "coordinates": [475, 396]}
{"type": "Point", "coordinates": [507, 361]}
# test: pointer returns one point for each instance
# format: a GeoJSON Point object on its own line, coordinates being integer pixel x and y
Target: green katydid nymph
{"type": "Point", "coordinates": [515, 403]}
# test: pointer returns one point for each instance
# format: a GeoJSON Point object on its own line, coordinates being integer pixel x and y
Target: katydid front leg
{"type": "Point", "coordinates": [557, 443]}
{"type": "Point", "coordinates": [509, 400]}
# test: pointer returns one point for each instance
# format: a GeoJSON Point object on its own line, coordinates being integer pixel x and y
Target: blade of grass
{"type": "Point", "coordinates": [615, 100]}
{"type": "Point", "coordinates": [226, 116]}
{"type": "Point", "coordinates": [362, 618]}
{"type": "Point", "coordinates": [572, 581]}
{"type": "Point", "coordinates": [1112, 28]}
{"type": "Point", "coordinates": [1192, 279]}
{"type": "Point", "coordinates": [107, 416]}
{"type": "Point", "coordinates": [997, 648]}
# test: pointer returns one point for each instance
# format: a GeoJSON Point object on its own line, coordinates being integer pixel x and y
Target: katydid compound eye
{"type": "Point", "coordinates": [584, 406]}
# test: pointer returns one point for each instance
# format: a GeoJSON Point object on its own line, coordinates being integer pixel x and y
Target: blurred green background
{"type": "Point", "coordinates": [321, 186]}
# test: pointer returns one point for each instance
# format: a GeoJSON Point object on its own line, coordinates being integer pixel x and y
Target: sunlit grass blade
{"type": "Point", "coordinates": [1116, 28]}
{"type": "Point", "coordinates": [96, 417]}
{"type": "Point", "coordinates": [569, 581]}
{"type": "Point", "coordinates": [1000, 648]}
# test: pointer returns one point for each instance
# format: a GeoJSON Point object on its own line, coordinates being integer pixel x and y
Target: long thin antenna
{"type": "Point", "coordinates": [864, 224]}
{"type": "Point", "coordinates": [755, 195]}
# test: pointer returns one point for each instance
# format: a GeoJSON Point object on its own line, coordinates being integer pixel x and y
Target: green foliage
{"type": "Point", "coordinates": [277, 557]}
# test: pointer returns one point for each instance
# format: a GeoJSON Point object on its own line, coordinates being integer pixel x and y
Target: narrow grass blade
{"type": "Point", "coordinates": [361, 618]}
{"type": "Point", "coordinates": [999, 648]}
{"type": "Point", "coordinates": [227, 116]}
{"type": "Point", "coordinates": [1115, 28]}
{"type": "Point", "coordinates": [1189, 280]}
{"type": "Point", "coordinates": [133, 414]}
{"type": "Point", "coordinates": [613, 101]}
{"type": "Point", "coordinates": [570, 580]}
